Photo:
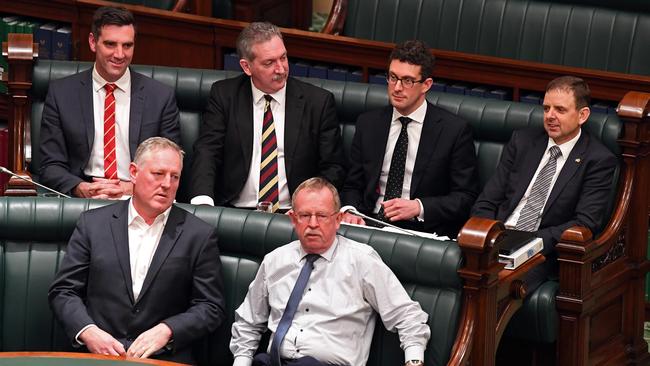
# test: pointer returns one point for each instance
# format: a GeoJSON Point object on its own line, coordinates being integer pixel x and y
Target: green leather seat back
{"type": "Point", "coordinates": [34, 232]}
{"type": "Point", "coordinates": [531, 30]}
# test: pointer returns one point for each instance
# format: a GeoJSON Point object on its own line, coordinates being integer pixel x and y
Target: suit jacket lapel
{"type": "Point", "coordinates": [87, 110]}
{"type": "Point", "coordinates": [171, 232]}
{"type": "Point", "coordinates": [377, 149]}
{"type": "Point", "coordinates": [135, 114]}
{"type": "Point", "coordinates": [244, 122]}
{"type": "Point", "coordinates": [119, 229]}
{"type": "Point", "coordinates": [530, 164]}
{"type": "Point", "coordinates": [568, 170]}
{"type": "Point", "coordinates": [294, 106]}
{"type": "Point", "coordinates": [428, 142]}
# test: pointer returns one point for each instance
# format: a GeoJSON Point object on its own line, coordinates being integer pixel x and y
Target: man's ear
{"type": "Point", "coordinates": [92, 42]}
{"type": "Point", "coordinates": [133, 172]}
{"type": "Point", "coordinates": [245, 65]}
{"type": "Point", "coordinates": [583, 115]}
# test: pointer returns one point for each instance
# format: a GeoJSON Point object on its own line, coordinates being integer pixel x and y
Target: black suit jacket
{"type": "Point", "coordinates": [444, 175]}
{"type": "Point", "coordinates": [68, 127]}
{"type": "Point", "coordinates": [579, 196]}
{"type": "Point", "coordinates": [183, 287]}
{"type": "Point", "coordinates": [222, 153]}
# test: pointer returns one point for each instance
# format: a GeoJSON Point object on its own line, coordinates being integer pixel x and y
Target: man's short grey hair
{"type": "Point", "coordinates": [256, 32]}
{"type": "Point", "coordinates": [156, 144]}
{"type": "Point", "coordinates": [316, 184]}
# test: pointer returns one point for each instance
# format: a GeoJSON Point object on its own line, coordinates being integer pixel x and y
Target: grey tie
{"type": "Point", "coordinates": [533, 208]}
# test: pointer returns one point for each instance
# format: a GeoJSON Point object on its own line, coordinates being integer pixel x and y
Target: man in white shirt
{"type": "Point", "coordinates": [412, 164]}
{"type": "Point", "coordinates": [552, 178]}
{"type": "Point", "coordinates": [93, 121]}
{"type": "Point", "coordinates": [263, 132]}
{"type": "Point", "coordinates": [141, 277]}
{"type": "Point", "coordinates": [319, 295]}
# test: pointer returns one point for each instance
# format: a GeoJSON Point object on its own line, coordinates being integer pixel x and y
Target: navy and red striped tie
{"type": "Point", "coordinates": [269, 162]}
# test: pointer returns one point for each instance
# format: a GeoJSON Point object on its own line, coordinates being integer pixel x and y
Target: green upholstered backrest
{"type": "Point", "coordinates": [531, 30]}
{"type": "Point", "coordinates": [34, 232]}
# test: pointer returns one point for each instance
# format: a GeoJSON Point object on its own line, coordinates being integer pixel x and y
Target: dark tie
{"type": "Point", "coordinates": [110, 160]}
{"type": "Point", "coordinates": [269, 162]}
{"type": "Point", "coordinates": [292, 306]}
{"type": "Point", "coordinates": [397, 166]}
{"type": "Point", "coordinates": [535, 203]}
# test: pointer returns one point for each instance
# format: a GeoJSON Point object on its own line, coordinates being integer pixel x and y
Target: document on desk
{"type": "Point", "coordinates": [521, 255]}
{"type": "Point", "coordinates": [403, 231]}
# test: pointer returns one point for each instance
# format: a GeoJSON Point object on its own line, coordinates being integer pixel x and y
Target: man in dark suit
{"type": "Point", "coordinates": [141, 277]}
{"type": "Point", "coordinates": [578, 180]}
{"type": "Point", "coordinates": [93, 121]}
{"type": "Point", "coordinates": [263, 133]}
{"type": "Point", "coordinates": [412, 164]}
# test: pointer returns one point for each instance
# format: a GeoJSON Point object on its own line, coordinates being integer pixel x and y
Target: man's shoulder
{"type": "Point", "coordinates": [296, 86]}
{"type": "Point", "coordinates": [71, 81]}
{"type": "Point", "coordinates": [369, 118]}
{"type": "Point", "coordinates": [449, 120]}
{"type": "Point", "coordinates": [357, 249]}
{"type": "Point", "coordinates": [149, 83]}
{"type": "Point", "coordinates": [192, 220]}
{"type": "Point", "coordinates": [104, 211]}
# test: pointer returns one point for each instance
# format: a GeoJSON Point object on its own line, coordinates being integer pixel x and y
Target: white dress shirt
{"type": "Point", "coordinates": [565, 148]}
{"type": "Point", "coordinates": [122, 93]}
{"type": "Point", "coordinates": [335, 319]}
{"type": "Point", "coordinates": [249, 196]}
{"type": "Point", "coordinates": [143, 241]}
{"type": "Point", "coordinates": [414, 130]}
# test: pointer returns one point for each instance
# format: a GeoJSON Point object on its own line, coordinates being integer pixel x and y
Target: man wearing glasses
{"type": "Point", "coordinates": [319, 295]}
{"type": "Point", "coordinates": [412, 164]}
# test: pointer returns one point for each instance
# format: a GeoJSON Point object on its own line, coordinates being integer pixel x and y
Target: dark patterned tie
{"type": "Point", "coordinates": [269, 163]}
{"type": "Point", "coordinates": [535, 203]}
{"type": "Point", "coordinates": [397, 166]}
{"type": "Point", "coordinates": [292, 306]}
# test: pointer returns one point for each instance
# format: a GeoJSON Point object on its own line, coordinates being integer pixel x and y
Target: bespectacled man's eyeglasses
{"type": "Point", "coordinates": [406, 82]}
{"type": "Point", "coordinates": [321, 218]}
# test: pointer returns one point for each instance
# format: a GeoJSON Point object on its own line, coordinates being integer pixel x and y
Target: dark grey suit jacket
{"type": "Point", "coordinates": [68, 128]}
{"type": "Point", "coordinates": [183, 287]}
{"type": "Point", "coordinates": [223, 151]}
{"type": "Point", "coordinates": [445, 176]}
{"type": "Point", "coordinates": [579, 196]}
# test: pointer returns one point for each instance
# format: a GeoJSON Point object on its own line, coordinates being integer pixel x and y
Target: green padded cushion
{"type": "Point", "coordinates": [532, 30]}
{"type": "Point", "coordinates": [537, 320]}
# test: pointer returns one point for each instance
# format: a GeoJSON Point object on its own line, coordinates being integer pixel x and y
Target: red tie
{"type": "Point", "coordinates": [110, 161]}
{"type": "Point", "coordinates": [269, 163]}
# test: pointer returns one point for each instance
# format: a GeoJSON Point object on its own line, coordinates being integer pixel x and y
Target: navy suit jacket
{"type": "Point", "coordinates": [183, 287]}
{"type": "Point", "coordinates": [445, 175]}
{"type": "Point", "coordinates": [223, 151]}
{"type": "Point", "coordinates": [68, 127]}
{"type": "Point", "coordinates": [579, 196]}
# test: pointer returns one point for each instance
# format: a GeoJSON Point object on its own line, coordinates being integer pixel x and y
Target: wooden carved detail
{"type": "Point", "coordinates": [615, 252]}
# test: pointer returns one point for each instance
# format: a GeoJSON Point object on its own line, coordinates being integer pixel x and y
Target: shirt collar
{"type": "Point", "coordinates": [567, 146]}
{"type": "Point", "coordinates": [123, 83]}
{"type": "Point", "coordinates": [327, 255]}
{"type": "Point", "coordinates": [134, 216]}
{"type": "Point", "coordinates": [417, 115]}
{"type": "Point", "coordinates": [258, 95]}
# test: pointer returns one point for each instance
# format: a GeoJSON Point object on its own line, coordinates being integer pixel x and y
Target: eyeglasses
{"type": "Point", "coordinates": [406, 82]}
{"type": "Point", "coordinates": [321, 218]}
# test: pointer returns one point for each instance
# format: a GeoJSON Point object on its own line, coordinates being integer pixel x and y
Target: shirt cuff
{"type": "Point", "coordinates": [420, 217]}
{"type": "Point", "coordinates": [242, 361]}
{"type": "Point", "coordinates": [202, 200]}
{"type": "Point", "coordinates": [76, 338]}
{"type": "Point", "coordinates": [414, 353]}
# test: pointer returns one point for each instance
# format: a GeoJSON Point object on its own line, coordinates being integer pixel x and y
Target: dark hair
{"type": "Point", "coordinates": [108, 15]}
{"type": "Point", "coordinates": [580, 89]}
{"type": "Point", "coordinates": [417, 53]}
{"type": "Point", "coordinates": [254, 33]}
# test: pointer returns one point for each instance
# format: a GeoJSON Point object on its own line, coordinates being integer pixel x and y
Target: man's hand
{"type": "Point", "coordinates": [353, 219]}
{"type": "Point", "coordinates": [399, 209]}
{"type": "Point", "coordinates": [100, 342]}
{"type": "Point", "coordinates": [101, 188]}
{"type": "Point", "coordinates": [150, 341]}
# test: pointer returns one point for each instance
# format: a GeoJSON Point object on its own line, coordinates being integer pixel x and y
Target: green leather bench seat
{"type": "Point", "coordinates": [34, 232]}
{"type": "Point", "coordinates": [531, 30]}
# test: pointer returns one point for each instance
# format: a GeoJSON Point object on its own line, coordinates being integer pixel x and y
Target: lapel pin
{"type": "Point", "coordinates": [578, 161]}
